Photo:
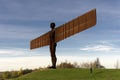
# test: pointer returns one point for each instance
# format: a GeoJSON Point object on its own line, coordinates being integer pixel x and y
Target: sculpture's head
{"type": "Point", "coordinates": [52, 25]}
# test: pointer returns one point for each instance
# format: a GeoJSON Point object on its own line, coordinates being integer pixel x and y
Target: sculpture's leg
{"type": "Point", "coordinates": [53, 55]}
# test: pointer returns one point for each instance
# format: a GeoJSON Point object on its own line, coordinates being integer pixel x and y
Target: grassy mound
{"type": "Point", "coordinates": [72, 74]}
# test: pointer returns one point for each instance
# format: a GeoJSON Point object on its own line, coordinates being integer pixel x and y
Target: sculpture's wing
{"type": "Point", "coordinates": [40, 41]}
{"type": "Point", "coordinates": [77, 25]}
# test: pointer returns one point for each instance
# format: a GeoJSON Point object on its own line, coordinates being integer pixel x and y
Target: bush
{"type": "Point", "coordinates": [6, 75]}
{"type": "Point", "coordinates": [14, 74]}
{"type": "Point", "coordinates": [27, 71]}
{"type": "Point", "coordinates": [66, 65]}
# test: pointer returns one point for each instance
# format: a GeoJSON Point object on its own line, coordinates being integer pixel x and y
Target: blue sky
{"type": "Point", "coordinates": [24, 20]}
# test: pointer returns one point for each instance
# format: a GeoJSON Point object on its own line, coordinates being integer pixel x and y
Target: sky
{"type": "Point", "coordinates": [24, 20]}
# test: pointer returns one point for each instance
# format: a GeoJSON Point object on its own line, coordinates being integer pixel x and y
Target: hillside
{"type": "Point", "coordinates": [72, 74]}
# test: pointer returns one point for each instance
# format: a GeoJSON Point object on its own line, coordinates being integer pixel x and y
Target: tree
{"type": "Point", "coordinates": [97, 64]}
{"type": "Point", "coordinates": [20, 73]}
{"type": "Point", "coordinates": [6, 75]}
{"type": "Point", "coordinates": [85, 65]}
{"type": "Point", "coordinates": [117, 64]}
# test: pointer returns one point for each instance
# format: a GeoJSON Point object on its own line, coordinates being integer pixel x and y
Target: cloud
{"type": "Point", "coordinates": [98, 48]}
{"type": "Point", "coordinates": [6, 51]}
{"type": "Point", "coordinates": [13, 52]}
{"type": "Point", "coordinates": [20, 52]}
{"type": "Point", "coordinates": [19, 32]}
{"type": "Point", "coordinates": [109, 47]}
{"type": "Point", "coordinates": [15, 63]}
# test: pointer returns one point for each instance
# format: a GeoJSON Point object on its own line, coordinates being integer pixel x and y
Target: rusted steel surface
{"type": "Point", "coordinates": [40, 41]}
{"type": "Point", "coordinates": [66, 30]}
{"type": "Point", "coordinates": [76, 25]}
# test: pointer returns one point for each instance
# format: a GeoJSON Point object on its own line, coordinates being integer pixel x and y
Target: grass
{"type": "Point", "coordinates": [72, 74]}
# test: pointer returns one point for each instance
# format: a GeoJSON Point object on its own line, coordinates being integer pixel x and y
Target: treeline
{"type": "Point", "coordinates": [95, 64]}
{"type": "Point", "coordinates": [14, 74]}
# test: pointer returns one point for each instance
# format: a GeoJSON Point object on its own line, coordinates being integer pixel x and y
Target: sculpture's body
{"type": "Point", "coordinates": [53, 45]}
